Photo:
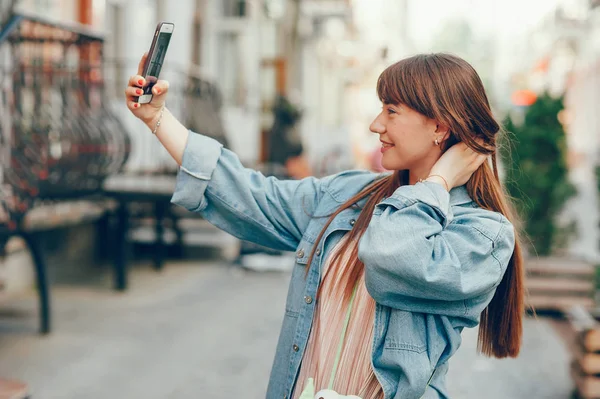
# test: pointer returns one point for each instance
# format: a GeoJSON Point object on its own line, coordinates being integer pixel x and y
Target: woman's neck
{"type": "Point", "coordinates": [421, 171]}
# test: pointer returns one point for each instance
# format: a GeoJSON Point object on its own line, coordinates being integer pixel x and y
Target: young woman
{"type": "Point", "coordinates": [389, 267]}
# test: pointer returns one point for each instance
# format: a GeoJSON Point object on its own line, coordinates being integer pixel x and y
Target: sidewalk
{"type": "Point", "coordinates": [204, 330]}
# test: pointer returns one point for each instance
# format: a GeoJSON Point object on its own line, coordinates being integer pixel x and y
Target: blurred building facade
{"type": "Point", "coordinates": [564, 59]}
{"type": "Point", "coordinates": [380, 38]}
{"type": "Point", "coordinates": [90, 12]}
{"type": "Point", "coordinates": [251, 50]}
{"type": "Point", "coordinates": [583, 127]}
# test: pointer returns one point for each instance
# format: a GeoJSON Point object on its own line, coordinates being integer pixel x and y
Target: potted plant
{"type": "Point", "coordinates": [537, 174]}
{"type": "Point", "coordinates": [537, 178]}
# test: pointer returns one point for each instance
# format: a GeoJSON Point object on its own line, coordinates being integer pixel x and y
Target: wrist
{"type": "Point", "coordinates": [439, 179]}
{"type": "Point", "coordinates": [154, 122]}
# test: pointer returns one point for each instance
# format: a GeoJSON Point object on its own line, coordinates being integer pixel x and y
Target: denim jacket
{"type": "Point", "coordinates": [432, 259]}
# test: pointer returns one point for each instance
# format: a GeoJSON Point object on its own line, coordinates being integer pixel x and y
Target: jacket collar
{"type": "Point", "coordinates": [459, 196]}
{"type": "Point", "coordinates": [346, 219]}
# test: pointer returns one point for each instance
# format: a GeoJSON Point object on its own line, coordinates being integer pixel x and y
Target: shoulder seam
{"type": "Point", "coordinates": [494, 248]}
{"type": "Point", "coordinates": [334, 195]}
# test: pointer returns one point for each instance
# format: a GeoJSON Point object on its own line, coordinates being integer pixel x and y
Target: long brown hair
{"type": "Point", "coordinates": [447, 89]}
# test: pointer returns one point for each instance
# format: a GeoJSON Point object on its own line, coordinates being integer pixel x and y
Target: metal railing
{"type": "Point", "coordinates": [63, 133]}
{"type": "Point", "coordinates": [63, 138]}
{"type": "Point", "coordinates": [64, 126]}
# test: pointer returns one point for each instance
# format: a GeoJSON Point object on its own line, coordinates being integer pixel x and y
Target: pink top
{"type": "Point", "coordinates": [355, 374]}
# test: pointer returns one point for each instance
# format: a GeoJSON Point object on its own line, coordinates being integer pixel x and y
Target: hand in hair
{"type": "Point", "coordinates": [457, 165]}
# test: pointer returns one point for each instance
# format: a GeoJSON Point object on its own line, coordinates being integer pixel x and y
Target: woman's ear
{"type": "Point", "coordinates": [441, 129]}
{"type": "Point", "coordinates": [442, 132]}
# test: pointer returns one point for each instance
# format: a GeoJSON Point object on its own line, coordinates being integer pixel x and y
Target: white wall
{"type": "Point", "coordinates": [582, 99]}
{"type": "Point", "coordinates": [325, 94]}
{"type": "Point", "coordinates": [242, 122]}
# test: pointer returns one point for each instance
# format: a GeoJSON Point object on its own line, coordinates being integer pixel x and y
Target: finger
{"type": "Point", "coordinates": [161, 87]}
{"type": "Point", "coordinates": [142, 63]}
{"type": "Point", "coordinates": [480, 160]}
{"type": "Point", "coordinates": [470, 150]}
{"type": "Point", "coordinates": [474, 159]}
{"type": "Point", "coordinates": [464, 147]}
{"type": "Point", "coordinates": [137, 81]}
{"type": "Point", "coordinates": [132, 105]}
{"type": "Point", "coordinates": [131, 92]}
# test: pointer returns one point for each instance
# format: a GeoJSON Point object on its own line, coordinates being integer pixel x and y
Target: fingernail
{"type": "Point", "coordinates": [157, 91]}
{"type": "Point", "coordinates": [136, 105]}
{"type": "Point", "coordinates": [138, 91]}
{"type": "Point", "coordinates": [141, 81]}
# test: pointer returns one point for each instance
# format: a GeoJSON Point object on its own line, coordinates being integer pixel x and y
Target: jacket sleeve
{"type": "Point", "coordinates": [270, 212]}
{"type": "Point", "coordinates": [418, 258]}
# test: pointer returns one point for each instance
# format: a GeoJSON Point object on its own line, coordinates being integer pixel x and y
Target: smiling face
{"type": "Point", "coordinates": [407, 137]}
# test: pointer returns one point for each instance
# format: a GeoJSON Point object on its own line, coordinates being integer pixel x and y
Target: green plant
{"type": "Point", "coordinates": [537, 174]}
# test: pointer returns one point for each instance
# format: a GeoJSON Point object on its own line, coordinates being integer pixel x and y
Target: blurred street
{"type": "Point", "coordinates": [207, 330]}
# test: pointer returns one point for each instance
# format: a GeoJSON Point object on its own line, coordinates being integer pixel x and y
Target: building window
{"type": "Point", "coordinates": [234, 8]}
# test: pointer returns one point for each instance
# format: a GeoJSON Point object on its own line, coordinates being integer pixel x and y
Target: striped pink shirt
{"type": "Point", "coordinates": [355, 373]}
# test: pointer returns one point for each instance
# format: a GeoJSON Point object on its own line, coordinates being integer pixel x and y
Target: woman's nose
{"type": "Point", "coordinates": [377, 126]}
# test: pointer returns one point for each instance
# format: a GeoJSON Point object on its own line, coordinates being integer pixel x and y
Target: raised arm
{"type": "Point", "coordinates": [241, 201]}
{"type": "Point", "coordinates": [213, 182]}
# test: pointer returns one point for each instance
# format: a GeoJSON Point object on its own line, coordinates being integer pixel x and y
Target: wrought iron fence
{"type": "Point", "coordinates": [63, 139]}
{"type": "Point", "coordinates": [64, 126]}
{"type": "Point", "coordinates": [58, 135]}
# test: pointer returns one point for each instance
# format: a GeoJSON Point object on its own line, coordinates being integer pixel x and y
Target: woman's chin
{"type": "Point", "coordinates": [391, 166]}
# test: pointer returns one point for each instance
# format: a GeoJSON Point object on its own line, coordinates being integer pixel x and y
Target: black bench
{"type": "Point", "coordinates": [156, 191]}
{"type": "Point", "coordinates": [42, 220]}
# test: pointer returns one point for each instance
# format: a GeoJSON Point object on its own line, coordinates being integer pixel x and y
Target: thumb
{"type": "Point", "coordinates": [161, 88]}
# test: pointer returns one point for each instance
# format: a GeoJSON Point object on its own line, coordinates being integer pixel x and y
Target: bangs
{"type": "Point", "coordinates": [407, 82]}
{"type": "Point", "coordinates": [388, 87]}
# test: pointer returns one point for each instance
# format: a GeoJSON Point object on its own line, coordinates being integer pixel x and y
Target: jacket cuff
{"type": "Point", "coordinates": [200, 159]}
{"type": "Point", "coordinates": [426, 192]}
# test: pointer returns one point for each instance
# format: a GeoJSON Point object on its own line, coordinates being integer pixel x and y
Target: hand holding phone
{"type": "Point", "coordinates": [154, 60]}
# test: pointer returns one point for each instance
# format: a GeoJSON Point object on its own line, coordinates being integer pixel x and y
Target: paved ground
{"type": "Point", "coordinates": [203, 330]}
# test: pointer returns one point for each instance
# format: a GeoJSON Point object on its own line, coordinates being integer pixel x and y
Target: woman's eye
{"type": "Point", "coordinates": [391, 111]}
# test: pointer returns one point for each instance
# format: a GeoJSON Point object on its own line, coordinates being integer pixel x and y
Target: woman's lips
{"type": "Point", "coordinates": [385, 146]}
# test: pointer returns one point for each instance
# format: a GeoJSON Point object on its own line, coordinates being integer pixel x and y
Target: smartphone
{"type": "Point", "coordinates": [156, 57]}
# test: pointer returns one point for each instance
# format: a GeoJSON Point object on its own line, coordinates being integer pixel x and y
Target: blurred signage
{"type": "Point", "coordinates": [523, 98]}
